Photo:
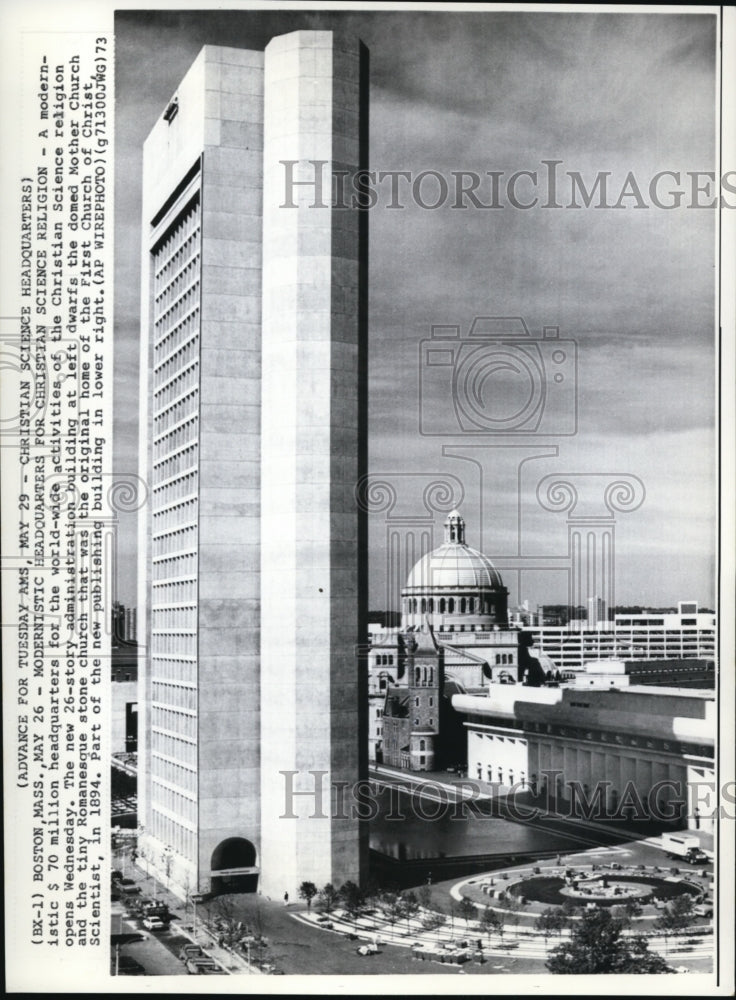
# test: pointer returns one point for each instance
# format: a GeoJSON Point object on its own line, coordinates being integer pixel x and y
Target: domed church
{"type": "Point", "coordinates": [454, 639]}
{"type": "Point", "coordinates": [455, 588]}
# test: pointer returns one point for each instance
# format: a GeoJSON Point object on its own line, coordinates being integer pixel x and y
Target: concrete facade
{"type": "Point", "coordinates": [202, 193]}
{"type": "Point", "coordinates": [637, 745]}
{"type": "Point", "coordinates": [314, 609]}
{"type": "Point", "coordinates": [221, 281]}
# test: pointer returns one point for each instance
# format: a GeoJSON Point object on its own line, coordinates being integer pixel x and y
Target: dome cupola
{"type": "Point", "coordinates": [455, 587]}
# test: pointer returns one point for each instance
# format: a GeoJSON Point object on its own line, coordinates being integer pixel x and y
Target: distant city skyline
{"type": "Point", "coordinates": [634, 288]}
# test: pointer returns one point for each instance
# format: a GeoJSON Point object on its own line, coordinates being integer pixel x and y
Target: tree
{"type": "Point", "coordinates": [551, 921]}
{"type": "Point", "coordinates": [410, 907]}
{"type": "Point", "coordinates": [512, 905]}
{"type": "Point", "coordinates": [453, 914]}
{"type": "Point", "coordinates": [597, 947]}
{"type": "Point", "coordinates": [489, 921]}
{"type": "Point", "coordinates": [328, 898]}
{"type": "Point", "coordinates": [434, 921]}
{"type": "Point", "coordinates": [425, 896]}
{"type": "Point", "coordinates": [466, 909]}
{"type": "Point", "coordinates": [393, 907]}
{"type": "Point", "coordinates": [307, 892]}
{"type": "Point", "coordinates": [351, 897]}
{"type": "Point", "coordinates": [676, 916]}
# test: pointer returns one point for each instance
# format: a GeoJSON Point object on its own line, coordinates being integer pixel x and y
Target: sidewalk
{"type": "Point", "coordinates": [231, 962]}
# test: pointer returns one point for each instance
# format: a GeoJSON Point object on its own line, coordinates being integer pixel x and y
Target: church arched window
{"type": "Point", "coordinates": [424, 605]}
{"type": "Point", "coordinates": [442, 605]}
{"type": "Point", "coordinates": [471, 605]}
{"type": "Point", "coordinates": [463, 606]}
{"type": "Point", "coordinates": [422, 745]}
{"type": "Point", "coordinates": [430, 605]}
{"type": "Point", "coordinates": [418, 675]}
{"type": "Point", "coordinates": [451, 605]}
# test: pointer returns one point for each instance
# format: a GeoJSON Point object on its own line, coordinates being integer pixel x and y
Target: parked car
{"type": "Point", "coordinates": [130, 890]}
{"type": "Point", "coordinates": [127, 966]}
{"type": "Point", "coordinates": [123, 880]}
{"type": "Point", "coordinates": [199, 965]}
{"type": "Point", "coordinates": [116, 875]}
{"type": "Point", "coordinates": [154, 924]}
{"type": "Point", "coordinates": [189, 951]}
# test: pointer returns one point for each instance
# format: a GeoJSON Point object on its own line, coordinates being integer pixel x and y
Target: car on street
{"type": "Point", "coordinates": [154, 924]}
{"type": "Point", "coordinates": [200, 965]}
{"type": "Point", "coordinates": [189, 951]}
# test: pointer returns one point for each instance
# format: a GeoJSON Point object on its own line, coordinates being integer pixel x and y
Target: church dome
{"type": "Point", "coordinates": [454, 564]}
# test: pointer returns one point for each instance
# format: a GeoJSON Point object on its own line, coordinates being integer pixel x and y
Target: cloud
{"type": "Point", "coordinates": [502, 91]}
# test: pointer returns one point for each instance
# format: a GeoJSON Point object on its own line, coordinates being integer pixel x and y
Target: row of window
{"type": "Point", "coordinates": [175, 289]}
{"type": "Point", "coordinates": [384, 660]}
{"type": "Point", "coordinates": [181, 512]}
{"type": "Point", "coordinates": [174, 695]}
{"type": "Point", "coordinates": [178, 386]}
{"type": "Point", "coordinates": [169, 831]}
{"type": "Point", "coordinates": [174, 773]}
{"type": "Point", "coordinates": [177, 336]}
{"type": "Point", "coordinates": [167, 669]}
{"type": "Point", "coordinates": [179, 246]}
{"type": "Point", "coordinates": [183, 409]}
{"type": "Point", "coordinates": [177, 722]}
{"type": "Point", "coordinates": [185, 432]}
{"type": "Point", "coordinates": [480, 631]}
{"type": "Point", "coordinates": [163, 797]}
{"type": "Point", "coordinates": [180, 355]}
{"type": "Point", "coordinates": [178, 540]}
{"type": "Point", "coordinates": [182, 463]}
{"type": "Point", "coordinates": [173, 746]}
{"type": "Point", "coordinates": [163, 619]}
{"type": "Point", "coordinates": [174, 643]}
{"type": "Point", "coordinates": [171, 571]}
{"type": "Point", "coordinates": [488, 772]}
{"type": "Point", "coordinates": [464, 605]}
{"type": "Point", "coordinates": [175, 489]}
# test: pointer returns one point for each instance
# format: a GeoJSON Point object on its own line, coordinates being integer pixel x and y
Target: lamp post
{"type": "Point", "coordinates": [195, 897]}
{"type": "Point", "coordinates": [167, 861]}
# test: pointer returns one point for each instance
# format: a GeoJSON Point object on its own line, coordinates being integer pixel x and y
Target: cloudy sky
{"type": "Point", "coordinates": [633, 287]}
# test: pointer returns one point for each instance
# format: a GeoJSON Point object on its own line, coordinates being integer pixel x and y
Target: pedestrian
{"type": "Point", "coordinates": [286, 899]}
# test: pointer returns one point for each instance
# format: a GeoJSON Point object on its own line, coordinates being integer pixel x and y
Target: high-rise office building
{"type": "Point", "coordinates": [215, 257]}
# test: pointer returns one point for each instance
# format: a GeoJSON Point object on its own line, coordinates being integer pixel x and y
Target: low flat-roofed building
{"type": "Point", "coordinates": [652, 745]}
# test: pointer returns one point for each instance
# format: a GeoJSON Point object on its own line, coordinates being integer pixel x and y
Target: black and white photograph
{"type": "Point", "coordinates": [368, 448]}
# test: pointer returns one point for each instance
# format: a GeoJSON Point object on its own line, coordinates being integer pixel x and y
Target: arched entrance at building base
{"type": "Point", "coordinates": [233, 867]}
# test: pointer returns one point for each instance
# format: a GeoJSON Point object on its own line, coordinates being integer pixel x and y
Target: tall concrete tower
{"type": "Point", "coordinates": [214, 614]}
{"type": "Point", "coordinates": [313, 552]}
